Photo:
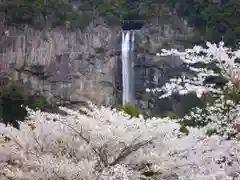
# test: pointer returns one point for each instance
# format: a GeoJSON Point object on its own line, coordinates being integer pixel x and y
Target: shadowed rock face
{"type": "Point", "coordinates": [132, 25]}
{"type": "Point", "coordinates": [150, 74]}
{"type": "Point", "coordinates": [152, 71]}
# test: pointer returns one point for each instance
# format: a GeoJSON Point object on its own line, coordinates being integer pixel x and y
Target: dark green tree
{"type": "Point", "coordinates": [12, 109]}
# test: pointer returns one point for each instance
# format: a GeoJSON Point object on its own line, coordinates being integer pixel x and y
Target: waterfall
{"type": "Point", "coordinates": [127, 67]}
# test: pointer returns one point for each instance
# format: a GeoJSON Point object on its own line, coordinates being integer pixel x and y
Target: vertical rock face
{"type": "Point", "coordinates": [153, 71]}
{"type": "Point", "coordinates": [75, 66]}
{"type": "Point", "coordinates": [66, 66]}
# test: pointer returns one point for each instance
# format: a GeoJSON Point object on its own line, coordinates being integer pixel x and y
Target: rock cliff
{"type": "Point", "coordinates": [66, 66]}
{"type": "Point", "coordinates": [75, 66]}
{"type": "Point", "coordinates": [153, 71]}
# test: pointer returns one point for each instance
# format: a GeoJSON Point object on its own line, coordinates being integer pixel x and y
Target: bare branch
{"type": "Point", "coordinates": [87, 140]}
{"type": "Point", "coordinates": [133, 147]}
{"type": "Point", "coordinates": [38, 143]}
{"type": "Point", "coordinates": [101, 152]}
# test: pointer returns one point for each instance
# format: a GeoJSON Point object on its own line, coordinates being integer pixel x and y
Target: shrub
{"type": "Point", "coordinates": [41, 13]}
{"type": "Point", "coordinates": [36, 102]}
{"type": "Point", "coordinates": [130, 109]}
{"type": "Point", "coordinates": [169, 114]}
{"type": "Point", "coordinates": [111, 20]}
{"type": "Point", "coordinates": [80, 20]}
{"type": "Point", "coordinates": [14, 99]}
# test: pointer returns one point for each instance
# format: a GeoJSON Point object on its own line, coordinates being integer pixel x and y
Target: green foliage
{"type": "Point", "coordinates": [43, 13]}
{"type": "Point", "coordinates": [148, 8]}
{"type": "Point", "coordinates": [111, 8]}
{"type": "Point", "coordinates": [130, 109]}
{"type": "Point", "coordinates": [183, 128]}
{"type": "Point", "coordinates": [232, 94]}
{"type": "Point", "coordinates": [182, 105]}
{"type": "Point", "coordinates": [80, 20]}
{"type": "Point", "coordinates": [36, 102]}
{"type": "Point", "coordinates": [177, 106]}
{"type": "Point", "coordinates": [13, 100]}
{"type": "Point", "coordinates": [170, 114]}
{"type": "Point", "coordinates": [112, 20]}
{"type": "Point", "coordinates": [52, 13]}
{"type": "Point", "coordinates": [214, 21]}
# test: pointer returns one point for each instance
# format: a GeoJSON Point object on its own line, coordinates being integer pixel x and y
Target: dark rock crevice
{"type": "Point", "coordinates": [132, 24]}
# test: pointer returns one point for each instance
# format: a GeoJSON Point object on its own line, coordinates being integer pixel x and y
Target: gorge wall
{"type": "Point", "coordinates": [152, 71]}
{"type": "Point", "coordinates": [74, 66]}
{"type": "Point", "coordinates": [66, 66]}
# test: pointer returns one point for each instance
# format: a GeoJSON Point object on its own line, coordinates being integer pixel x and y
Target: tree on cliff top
{"type": "Point", "coordinates": [213, 20]}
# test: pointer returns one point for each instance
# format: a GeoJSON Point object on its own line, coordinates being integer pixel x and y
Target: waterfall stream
{"type": "Point", "coordinates": [128, 38]}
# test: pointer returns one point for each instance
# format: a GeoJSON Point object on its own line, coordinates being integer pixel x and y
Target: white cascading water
{"type": "Point", "coordinates": [127, 67]}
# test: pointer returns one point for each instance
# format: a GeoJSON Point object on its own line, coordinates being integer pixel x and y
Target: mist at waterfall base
{"type": "Point", "coordinates": [128, 40]}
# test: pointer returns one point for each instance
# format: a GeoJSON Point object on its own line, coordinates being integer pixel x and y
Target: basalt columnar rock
{"type": "Point", "coordinates": [67, 66]}
{"type": "Point", "coordinates": [153, 71]}
{"type": "Point", "coordinates": [72, 66]}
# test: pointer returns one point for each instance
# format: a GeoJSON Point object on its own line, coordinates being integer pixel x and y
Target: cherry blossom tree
{"type": "Point", "coordinates": [102, 144]}
{"type": "Point", "coordinates": [219, 57]}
